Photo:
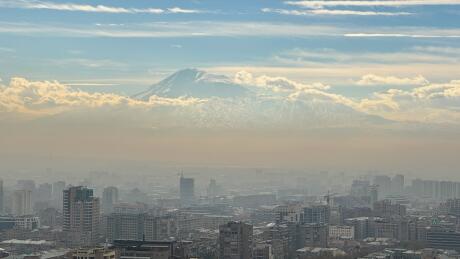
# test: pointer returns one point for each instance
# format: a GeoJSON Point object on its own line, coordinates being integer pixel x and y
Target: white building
{"type": "Point", "coordinates": [342, 232]}
{"type": "Point", "coordinates": [27, 222]}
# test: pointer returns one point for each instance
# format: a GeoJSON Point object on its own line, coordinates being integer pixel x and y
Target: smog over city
{"type": "Point", "coordinates": [275, 129]}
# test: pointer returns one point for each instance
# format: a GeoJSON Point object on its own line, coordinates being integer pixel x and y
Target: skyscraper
{"type": "Point", "coordinates": [21, 203]}
{"type": "Point", "coordinates": [1, 197]}
{"type": "Point", "coordinates": [235, 240]}
{"type": "Point", "coordinates": [109, 198]}
{"type": "Point", "coordinates": [57, 189]}
{"type": "Point", "coordinates": [187, 191]}
{"type": "Point", "coordinates": [81, 214]}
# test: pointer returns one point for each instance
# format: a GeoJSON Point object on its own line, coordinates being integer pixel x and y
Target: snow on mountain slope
{"type": "Point", "coordinates": [194, 83]}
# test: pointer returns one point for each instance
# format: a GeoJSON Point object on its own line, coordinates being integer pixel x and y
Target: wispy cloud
{"type": "Point", "coordinates": [321, 4]}
{"type": "Point", "coordinates": [73, 7]}
{"type": "Point", "coordinates": [221, 29]}
{"type": "Point", "coordinates": [172, 29]}
{"type": "Point", "coordinates": [414, 55]}
{"type": "Point", "coordinates": [90, 63]}
{"type": "Point", "coordinates": [89, 84]}
{"type": "Point", "coordinates": [371, 79]}
{"type": "Point", "coordinates": [401, 35]}
{"type": "Point", "coordinates": [182, 10]}
{"type": "Point", "coordinates": [332, 12]}
{"type": "Point", "coordinates": [3, 49]}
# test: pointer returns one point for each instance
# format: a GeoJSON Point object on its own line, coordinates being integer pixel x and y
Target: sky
{"type": "Point", "coordinates": [338, 85]}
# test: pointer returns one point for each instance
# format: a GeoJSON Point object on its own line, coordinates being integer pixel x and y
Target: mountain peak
{"type": "Point", "coordinates": [192, 82]}
{"type": "Point", "coordinates": [188, 74]}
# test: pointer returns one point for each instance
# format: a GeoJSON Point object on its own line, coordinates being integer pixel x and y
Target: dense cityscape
{"type": "Point", "coordinates": [308, 215]}
{"type": "Point", "coordinates": [229, 129]}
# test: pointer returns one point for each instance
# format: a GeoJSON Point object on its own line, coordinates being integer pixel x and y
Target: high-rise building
{"type": "Point", "coordinates": [362, 227]}
{"type": "Point", "coordinates": [263, 251]}
{"type": "Point", "coordinates": [21, 203]}
{"type": "Point", "coordinates": [360, 188]}
{"type": "Point", "coordinates": [187, 191]}
{"type": "Point", "coordinates": [1, 198]}
{"type": "Point", "coordinates": [314, 235]}
{"type": "Point", "coordinates": [81, 214]}
{"type": "Point", "coordinates": [386, 209]}
{"type": "Point", "coordinates": [109, 198]}
{"type": "Point", "coordinates": [443, 238]}
{"type": "Point", "coordinates": [235, 240]}
{"type": "Point", "coordinates": [57, 189]}
{"type": "Point", "coordinates": [383, 183]}
{"type": "Point", "coordinates": [213, 188]}
{"type": "Point", "coordinates": [453, 207]}
{"type": "Point", "coordinates": [397, 184]}
{"type": "Point", "coordinates": [26, 185]}
{"type": "Point", "coordinates": [44, 192]}
{"type": "Point", "coordinates": [316, 214]}
{"type": "Point", "coordinates": [373, 194]}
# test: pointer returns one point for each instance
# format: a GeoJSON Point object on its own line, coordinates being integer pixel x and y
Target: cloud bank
{"type": "Point", "coordinates": [278, 101]}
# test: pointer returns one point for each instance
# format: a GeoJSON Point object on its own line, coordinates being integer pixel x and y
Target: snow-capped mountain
{"type": "Point", "coordinates": [232, 105]}
{"type": "Point", "coordinates": [194, 83]}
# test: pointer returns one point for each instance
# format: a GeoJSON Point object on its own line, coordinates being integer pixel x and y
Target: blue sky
{"type": "Point", "coordinates": [139, 42]}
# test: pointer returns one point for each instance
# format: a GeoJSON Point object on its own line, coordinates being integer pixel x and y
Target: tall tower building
{"type": "Point", "coordinates": [235, 240]}
{"type": "Point", "coordinates": [21, 203]}
{"type": "Point", "coordinates": [2, 205]}
{"type": "Point", "coordinates": [187, 191]}
{"type": "Point", "coordinates": [81, 214]}
{"type": "Point", "coordinates": [109, 198]}
{"type": "Point", "coordinates": [57, 189]}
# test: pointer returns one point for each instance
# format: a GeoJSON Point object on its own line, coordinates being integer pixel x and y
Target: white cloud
{"type": "Point", "coordinates": [430, 103]}
{"type": "Point", "coordinates": [51, 97]}
{"type": "Point", "coordinates": [359, 13]}
{"type": "Point", "coordinates": [321, 4]}
{"type": "Point", "coordinates": [172, 29]}
{"type": "Point", "coordinates": [182, 10]}
{"type": "Point", "coordinates": [277, 84]}
{"type": "Point", "coordinates": [302, 57]}
{"type": "Point", "coordinates": [72, 7]}
{"type": "Point", "coordinates": [89, 84]}
{"type": "Point", "coordinates": [217, 29]}
{"type": "Point", "coordinates": [401, 35]}
{"type": "Point", "coordinates": [371, 79]}
{"type": "Point", "coordinates": [332, 12]}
